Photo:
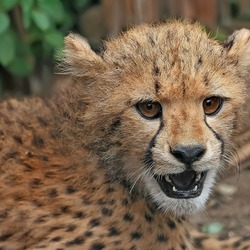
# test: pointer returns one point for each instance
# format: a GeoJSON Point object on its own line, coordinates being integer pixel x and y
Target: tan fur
{"type": "Point", "coordinates": [73, 168]}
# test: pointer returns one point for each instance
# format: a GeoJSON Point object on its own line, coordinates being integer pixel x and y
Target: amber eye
{"type": "Point", "coordinates": [212, 105]}
{"type": "Point", "coordinates": [149, 109]}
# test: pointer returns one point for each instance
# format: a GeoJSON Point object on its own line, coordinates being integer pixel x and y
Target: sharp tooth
{"type": "Point", "coordinates": [174, 189]}
{"type": "Point", "coordinates": [167, 178]}
{"type": "Point", "coordinates": [198, 177]}
{"type": "Point", "coordinates": [195, 188]}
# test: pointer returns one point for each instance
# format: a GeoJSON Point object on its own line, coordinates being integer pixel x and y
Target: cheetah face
{"type": "Point", "coordinates": [159, 108]}
{"type": "Point", "coordinates": [180, 167]}
{"type": "Point", "coordinates": [189, 183]}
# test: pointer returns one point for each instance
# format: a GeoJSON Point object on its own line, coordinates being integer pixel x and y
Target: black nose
{"type": "Point", "coordinates": [188, 154]}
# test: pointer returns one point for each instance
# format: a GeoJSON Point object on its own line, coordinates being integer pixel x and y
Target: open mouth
{"type": "Point", "coordinates": [185, 185]}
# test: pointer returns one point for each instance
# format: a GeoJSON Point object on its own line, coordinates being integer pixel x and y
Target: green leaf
{"type": "Point", "coordinates": [53, 8]}
{"type": "Point", "coordinates": [54, 38]}
{"type": "Point", "coordinates": [41, 20]}
{"type": "Point", "coordinates": [20, 67]}
{"type": "Point", "coordinates": [8, 4]}
{"type": "Point", "coordinates": [26, 19]}
{"type": "Point", "coordinates": [7, 48]}
{"type": "Point", "coordinates": [26, 4]}
{"type": "Point", "coordinates": [4, 22]}
{"type": "Point", "coordinates": [213, 228]}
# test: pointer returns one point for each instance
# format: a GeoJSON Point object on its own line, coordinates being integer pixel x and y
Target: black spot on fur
{"type": "Point", "coordinates": [86, 201]}
{"type": "Point", "coordinates": [11, 154]}
{"type": "Point", "coordinates": [88, 234]}
{"type": "Point", "coordinates": [206, 80]}
{"type": "Point", "coordinates": [236, 244]}
{"type": "Point", "coordinates": [94, 222]}
{"type": "Point", "coordinates": [65, 209]}
{"type": "Point", "coordinates": [41, 219]}
{"type": "Point", "coordinates": [111, 202]}
{"type": "Point", "coordinates": [38, 141]}
{"type": "Point", "coordinates": [56, 239]}
{"type": "Point", "coordinates": [136, 235]}
{"type": "Point", "coordinates": [107, 211]}
{"type": "Point", "coordinates": [42, 121]}
{"type": "Point", "coordinates": [198, 241]}
{"type": "Point", "coordinates": [113, 231]}
{"type": "Point", "coordinates": [29, 154]}
{"type": "Point", "coordinates": [245, 238]}
{"type": "Point", "coordinates": [97, 246]}
{"type": "Point", "coordinates": [156, 70]}
{"type": "Point", "coordinates": [183, 88]}
{"type": "Point", "coordinates": [151, 40]}
{"type": "Point", "coordinates": [18, 139]}
{"type": "Point", "coordinates": [27, 167]}
{"type": "Point", "coordinates": [36, 182]}
{"type": "Point", "coordinates": [148, 217]}
{"type": "Point", "coordinates": [200, 61]}
{"type": "Point", "coordinates": [128, 217]}
{"type": "Point", "coordinates": [70, 228]}
{"type": "Point", "coordinates": [66, 115]}
{"type": "Point", "coordinates": [70, 190]}
{"type": "Point", "coordinates": [5, 236]}
{"type": "Point", "coordinates": [117, 242]}
{"type": "Point", "coordinates": [171, 224]}
{"type": "Point", "coordinates": [125, 202]}
{"type": "Point", "coordinates": [110, 190]}
{"type": "Point", "coordinates": [115, 125]}
{"type": "Point", "coordinates": [53, 193]}
{"type": "Point", "coordinates": [162, 238]}
{"type": "Point", "coordinates": [77, 241]}
{"type": "Point", "coordinates": [133, 248]}
{"type": "Point", "coordinates": [43, 157]}
{"type": "Point", "coordinates": [101, 202]}
{"type": "Point", "coordinates": [157, 87]}
{"type": "Point", "coordinates": [79, 215]}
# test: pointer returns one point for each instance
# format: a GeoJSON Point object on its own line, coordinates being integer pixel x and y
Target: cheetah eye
{"type": "Point", "coordinates": [149, 109]}
{"type": "Point", "coordinates": [212, 105]}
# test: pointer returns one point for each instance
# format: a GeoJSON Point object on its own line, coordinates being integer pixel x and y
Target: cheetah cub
{"type": "Point", "coordinates": [121, 154]}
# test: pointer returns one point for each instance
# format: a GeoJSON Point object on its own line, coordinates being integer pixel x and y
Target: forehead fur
{"type": "Point", "coordinates": [171, 59]}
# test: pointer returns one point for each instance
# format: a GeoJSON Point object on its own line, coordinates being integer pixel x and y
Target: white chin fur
{"type": "Point", "coordinates": [181, 206]}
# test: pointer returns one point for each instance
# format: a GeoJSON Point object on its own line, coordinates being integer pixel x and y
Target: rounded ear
{"type": "Point", "coordinates": [78, 59]}
{"type": "Point", "coordinates": [238, 47]}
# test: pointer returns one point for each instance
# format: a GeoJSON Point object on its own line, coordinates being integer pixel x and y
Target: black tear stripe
{"type": "Point", "coordinates": [217, 136]}
{"type": "Point", "coordinates": [148, 156]}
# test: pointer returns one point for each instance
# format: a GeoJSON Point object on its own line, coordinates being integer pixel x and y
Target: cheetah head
{"type": "Point", "coordinates": [157, 108]}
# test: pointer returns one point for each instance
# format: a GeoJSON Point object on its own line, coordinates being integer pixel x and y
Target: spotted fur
{"type": "Point", "coordinates": [77, 170]}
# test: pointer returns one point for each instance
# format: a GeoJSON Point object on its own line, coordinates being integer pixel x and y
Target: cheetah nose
{"type": "Point", "coordinates": [188, 154]}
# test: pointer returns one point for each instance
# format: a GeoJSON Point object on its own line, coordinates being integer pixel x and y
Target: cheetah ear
{"type": "Point", "coordinates": [78, 58]}
{"type": "Point", "coordinates": [238, 48]}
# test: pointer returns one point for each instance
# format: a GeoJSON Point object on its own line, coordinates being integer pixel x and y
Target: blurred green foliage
{"type": "Point", "coordinates": [31, 30]}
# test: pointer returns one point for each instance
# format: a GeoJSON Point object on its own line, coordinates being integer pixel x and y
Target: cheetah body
{"type": "Point", "coordinates": [77, 171]}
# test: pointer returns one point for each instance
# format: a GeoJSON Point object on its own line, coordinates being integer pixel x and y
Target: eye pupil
{"type": "Point", "coordinates": [149, 105]}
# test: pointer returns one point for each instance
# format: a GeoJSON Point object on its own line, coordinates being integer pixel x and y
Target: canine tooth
{"type": "Point", "coordinates": [198, 177]}
{"type": "Point", "coordinates": [167, 178]}
{"type": "Point", "coordinates": [174, 189]}
{"type": "Point", "coordinates": [195, 188]}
